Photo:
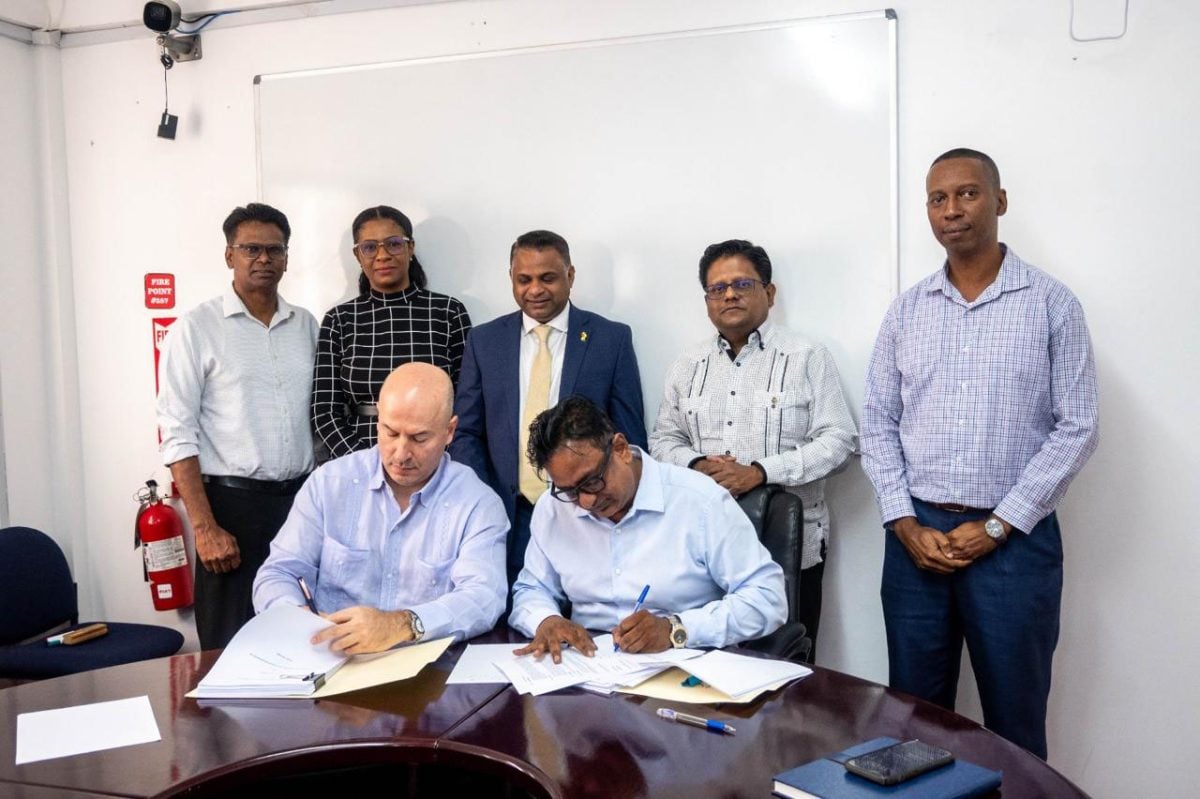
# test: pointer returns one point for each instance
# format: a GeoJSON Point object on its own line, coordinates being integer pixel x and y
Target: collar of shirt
{"type": "Point", "coordinates": [649, 497]}
{"type": "Point", "coordinates": [1013, 275]}
{"type": "Point", "coordinates": [559, 323]}
{"type": "Point", "coordinates": [426, 494]}
{"type": "Point", "coordinates": [232, 305]}
{"type": "Point", "coordinates": [396, 297]}
{"type": "Point", "coordinates": [757, 339]}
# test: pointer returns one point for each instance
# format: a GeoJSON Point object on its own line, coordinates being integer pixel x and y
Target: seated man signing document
{"type": "Point", "coordinates": [614, 521]}
{"type": "Point", "coordinates": [396, 542]}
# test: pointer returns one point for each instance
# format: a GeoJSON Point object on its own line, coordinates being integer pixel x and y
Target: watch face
{"type": "Point", "coordinates": [994, 528]}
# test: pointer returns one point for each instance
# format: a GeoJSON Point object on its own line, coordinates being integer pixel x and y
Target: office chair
{"type": "Point", "coordinates": [778, 518]}
{"type": "Point", "coordinates": [38, 599]}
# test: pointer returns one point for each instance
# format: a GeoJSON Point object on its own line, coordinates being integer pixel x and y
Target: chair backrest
{"type": "Point", "coordinates": [36, 589]}
{"type": "Point", "coordinates": [778, 518]}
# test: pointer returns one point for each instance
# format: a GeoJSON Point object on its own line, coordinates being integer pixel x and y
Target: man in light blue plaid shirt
{"type": "Point", "coordinates": [981, 406]}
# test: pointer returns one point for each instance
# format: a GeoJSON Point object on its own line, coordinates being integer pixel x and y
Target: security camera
{"type": "Point", "coordinates": [161, 16]}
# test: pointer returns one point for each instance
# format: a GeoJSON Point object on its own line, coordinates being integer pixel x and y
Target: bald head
{"type": "Point", "coordinates": [419, 386]}
{"type": "Point", "coordinates": [416, 424]}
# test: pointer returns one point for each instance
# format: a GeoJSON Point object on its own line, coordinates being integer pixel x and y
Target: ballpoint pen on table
{"type": "Point", "coordinates": [636, 608]}
{"type": "Point", "coordinates": [696, 721]}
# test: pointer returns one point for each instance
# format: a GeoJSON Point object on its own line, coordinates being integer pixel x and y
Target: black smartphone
{"type": "Point", "coordinates": [898, 762]}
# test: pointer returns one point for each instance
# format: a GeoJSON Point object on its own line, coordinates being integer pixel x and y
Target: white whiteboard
{"type": "Point", "coordinates": [641, 152]}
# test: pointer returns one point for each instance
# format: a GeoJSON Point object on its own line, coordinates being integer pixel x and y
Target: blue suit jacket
{"type": "Point", "coordinates": [598, 363]}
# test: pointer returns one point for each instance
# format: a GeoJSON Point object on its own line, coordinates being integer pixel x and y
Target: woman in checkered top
{"type": "Point", "coordinates": [393, 320]}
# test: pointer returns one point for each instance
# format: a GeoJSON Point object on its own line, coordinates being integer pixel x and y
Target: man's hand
{"type": "Point", "coordinates": [216, 549]}
{"type": "Point", "coordinates": [929, 549]}
{"type": "Point", "coordinates": [729, 474]}
{"type": "Point", "coordinates": [550, 636]}
{"type": "Point", "coordinates": [643, 632]}
{"type": "Point", "coordinates": [970, 540]}
{"type": "Point", "coordinates": [360, 630]}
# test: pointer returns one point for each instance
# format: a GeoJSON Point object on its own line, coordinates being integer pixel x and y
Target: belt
{"type": "Point", "coordinates": [366, 409]}
{"type": "Point", "coordinates": [953, 507]}
{"type": "Point", "coordinates": [274, 487]}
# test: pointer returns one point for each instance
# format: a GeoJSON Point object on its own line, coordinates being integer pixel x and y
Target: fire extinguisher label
{"type": "Point", "coordinates": [167, 554]}
{"type": "Point", "coordinates": [165, 590]}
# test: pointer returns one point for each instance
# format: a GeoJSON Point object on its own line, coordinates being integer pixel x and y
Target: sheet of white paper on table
{"type": "Point", "coordinates": [65, 731]}
{"type": "Point", "coordinates": [606, 668]}
{"type": "Point", "coordinates": [740, 674]}
{"type": "Point", "coordinates": [478, 664]}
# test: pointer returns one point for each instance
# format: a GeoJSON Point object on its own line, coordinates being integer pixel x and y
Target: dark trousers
{"type": "Point", "coordinates": [1004, 605]}
{"type": "Point", "coordinates": [223, 600]}
{"type": "Point", "coordinates": [808, 597]}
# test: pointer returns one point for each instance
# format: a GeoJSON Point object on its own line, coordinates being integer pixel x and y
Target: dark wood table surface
{"type": "Point", "coordinates": [570, 743]}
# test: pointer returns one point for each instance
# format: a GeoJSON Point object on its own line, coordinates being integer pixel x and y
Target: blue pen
{"type": "Point", "coordinates": [636, 608]}
{"type": "Point", "coordinates": [696, 721]}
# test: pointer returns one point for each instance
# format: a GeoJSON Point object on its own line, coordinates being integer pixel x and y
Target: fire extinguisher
{"type": "Point", "coordinates": [159, 532]}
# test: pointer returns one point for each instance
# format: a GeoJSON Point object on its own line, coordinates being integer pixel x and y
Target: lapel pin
{"type": "Point", "coordinates": [583, 335]}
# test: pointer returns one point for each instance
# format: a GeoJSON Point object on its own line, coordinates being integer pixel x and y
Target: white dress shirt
{"type": "Point", "coordinates": [684, 536]}
{"type": "Point", "coordinates": [236, 392]}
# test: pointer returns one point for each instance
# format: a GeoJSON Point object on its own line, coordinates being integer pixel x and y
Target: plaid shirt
{"type": "Point", "coordinates": [988, 404]}
{"type": "Point", "coordinates": [363, 340]}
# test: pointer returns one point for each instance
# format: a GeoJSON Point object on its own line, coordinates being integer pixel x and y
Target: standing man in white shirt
{"type": "Point", "coordinates": [233, 408]}
{"type": "Point", "coordinates": [758, 403]}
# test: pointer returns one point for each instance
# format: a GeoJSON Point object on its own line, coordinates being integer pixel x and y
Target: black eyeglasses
{"type": "Point", "coordinates": [395, 245]}
{"type": "Point", "coordinates": [740, 286]}
{"type": "Point", "coordinates": [590, 485]}
{"type": "Point", "coordinates": [276, 252]}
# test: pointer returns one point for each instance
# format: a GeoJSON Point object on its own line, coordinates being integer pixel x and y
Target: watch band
{"type": "Point", "coordinates": [679, 634]}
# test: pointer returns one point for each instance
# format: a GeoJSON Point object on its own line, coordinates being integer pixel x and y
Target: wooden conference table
{"type": "Point", "coordinates": [422, 737]}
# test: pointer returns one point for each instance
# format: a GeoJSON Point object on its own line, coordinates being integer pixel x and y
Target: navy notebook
{"type": "Point", "coordinates": [827, 778]}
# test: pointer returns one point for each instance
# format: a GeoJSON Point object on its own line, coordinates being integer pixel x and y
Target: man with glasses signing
{"type": "Point", "coordinates": [614, 521]}
{"type": "Point", "coordinates": [233, 409]}
{"type": "Point", "coordinates": [757, 404]}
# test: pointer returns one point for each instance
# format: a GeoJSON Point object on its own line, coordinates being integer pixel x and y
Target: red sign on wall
{"type": "Point", "coordinates": [161, 326]}
{"type": "Point", "coordinates": [160, 290]}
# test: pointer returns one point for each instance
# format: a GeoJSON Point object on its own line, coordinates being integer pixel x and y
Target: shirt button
{"type": "Point", "coordinates": [729, 423]}
{"type": "Point", "coordinates": [962, 421]}
{"type": "Point", "coordinates": [727, 452]}
{"type": "Point", "coordinates": [616, 571]}
{"type": "Point", "coordinates": [964, 386]}
{"type": "Point", "coordinates": [967, 348]}
{"type": "Point", "coordinates": [732, 393]}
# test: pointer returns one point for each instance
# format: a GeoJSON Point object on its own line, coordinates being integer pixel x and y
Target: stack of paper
{"type": "Point", "coordinates": [271, 657]}
{"type": "Point", "coordinates": [737, 675]}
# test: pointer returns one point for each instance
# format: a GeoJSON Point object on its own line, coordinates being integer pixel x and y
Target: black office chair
{"type": "Point", "coordinates": [778, 518]}
{"type": "Point", "coordinates": [38, 599]}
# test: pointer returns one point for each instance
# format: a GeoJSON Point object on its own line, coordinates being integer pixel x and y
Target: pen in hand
{"type": "Point", "coordinates": [307, 594]}
{"type": "Point", "coordinates": [636, 608]}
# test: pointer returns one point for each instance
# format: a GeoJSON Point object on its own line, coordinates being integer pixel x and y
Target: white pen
{"type": "Point", "coordinates": [696, 721]}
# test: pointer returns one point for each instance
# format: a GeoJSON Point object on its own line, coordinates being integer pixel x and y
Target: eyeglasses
{"type": "Point", "coordinates": [740, 286]}
{"type": "Point", "coordinates": [590, 485]}
{"type": "Point", "coordinates": [395, 245]}
{"type": "Point", "coordinates": [276, 252]}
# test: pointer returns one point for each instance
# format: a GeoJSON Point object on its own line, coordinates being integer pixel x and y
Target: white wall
{"type": "Point", "coordinates": [1098, 151]}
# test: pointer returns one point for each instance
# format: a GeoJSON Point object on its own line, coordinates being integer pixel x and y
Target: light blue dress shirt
{"type": "Point", "coordinates": [988, 404]}
{"type": "Point", "coordinates": [685, 537]}
{"type": "Point", "coordinates": [443, 558]}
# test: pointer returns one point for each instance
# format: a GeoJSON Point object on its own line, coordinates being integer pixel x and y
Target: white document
{"type": "Point", "coordinates": [479, 664]}
{"type": "Point", "coordinates": [66, 731]}
{"type": "Point", "coordinates": [738, 674]}
{"type": "Point", "coordinates": [605, 669]}
{"type": "Point", "coordinates": [271, 656]}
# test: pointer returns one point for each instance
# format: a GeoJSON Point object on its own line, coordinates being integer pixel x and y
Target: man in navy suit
{"type": "Point", "coordinates": [522, 363]}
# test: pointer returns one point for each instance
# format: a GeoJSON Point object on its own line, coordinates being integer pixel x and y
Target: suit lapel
{"type": "Point", "coordinates": [578, 338]}
{"type": "Point", "coordinates": [508, 363]}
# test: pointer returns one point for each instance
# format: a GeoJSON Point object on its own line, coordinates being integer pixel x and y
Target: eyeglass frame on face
{"type": "Point", "coordinates": [392, 248]}
{"type": "Point", "coordinates": [590, 485]}
{"type": "Point", "coordinates": [275, 252]}
{"type": "Point", "coordinates": [739, 285]}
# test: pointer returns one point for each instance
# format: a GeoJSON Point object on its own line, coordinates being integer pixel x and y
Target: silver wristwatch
{"type": "Point", "coordinates": [995, 529]}
{"type": "Point", "coordinates": [678, 632]}
{"type": "Point", "coordinates": [418, 629]}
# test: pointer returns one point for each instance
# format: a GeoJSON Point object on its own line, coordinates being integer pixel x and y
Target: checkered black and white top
{"type": "Point", "coordinates": [363, 340]}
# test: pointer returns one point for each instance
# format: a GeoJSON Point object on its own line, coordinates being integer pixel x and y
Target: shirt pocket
{"type": "Point", "coordinates": [431, 579]}
{"type": "Point", "coordinates": [783, 416]}
{"type": "Point", "coordinates": [347, 577]}
{"type": "Point", "coordinates": [703, 426]}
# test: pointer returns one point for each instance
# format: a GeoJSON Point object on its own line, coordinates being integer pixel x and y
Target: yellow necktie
{"type": "Point", "coordinates": [537, 398]}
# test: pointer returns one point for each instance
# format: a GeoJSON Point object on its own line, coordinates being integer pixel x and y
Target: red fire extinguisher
{"type": "Point", "coordinates": [159, 532]}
